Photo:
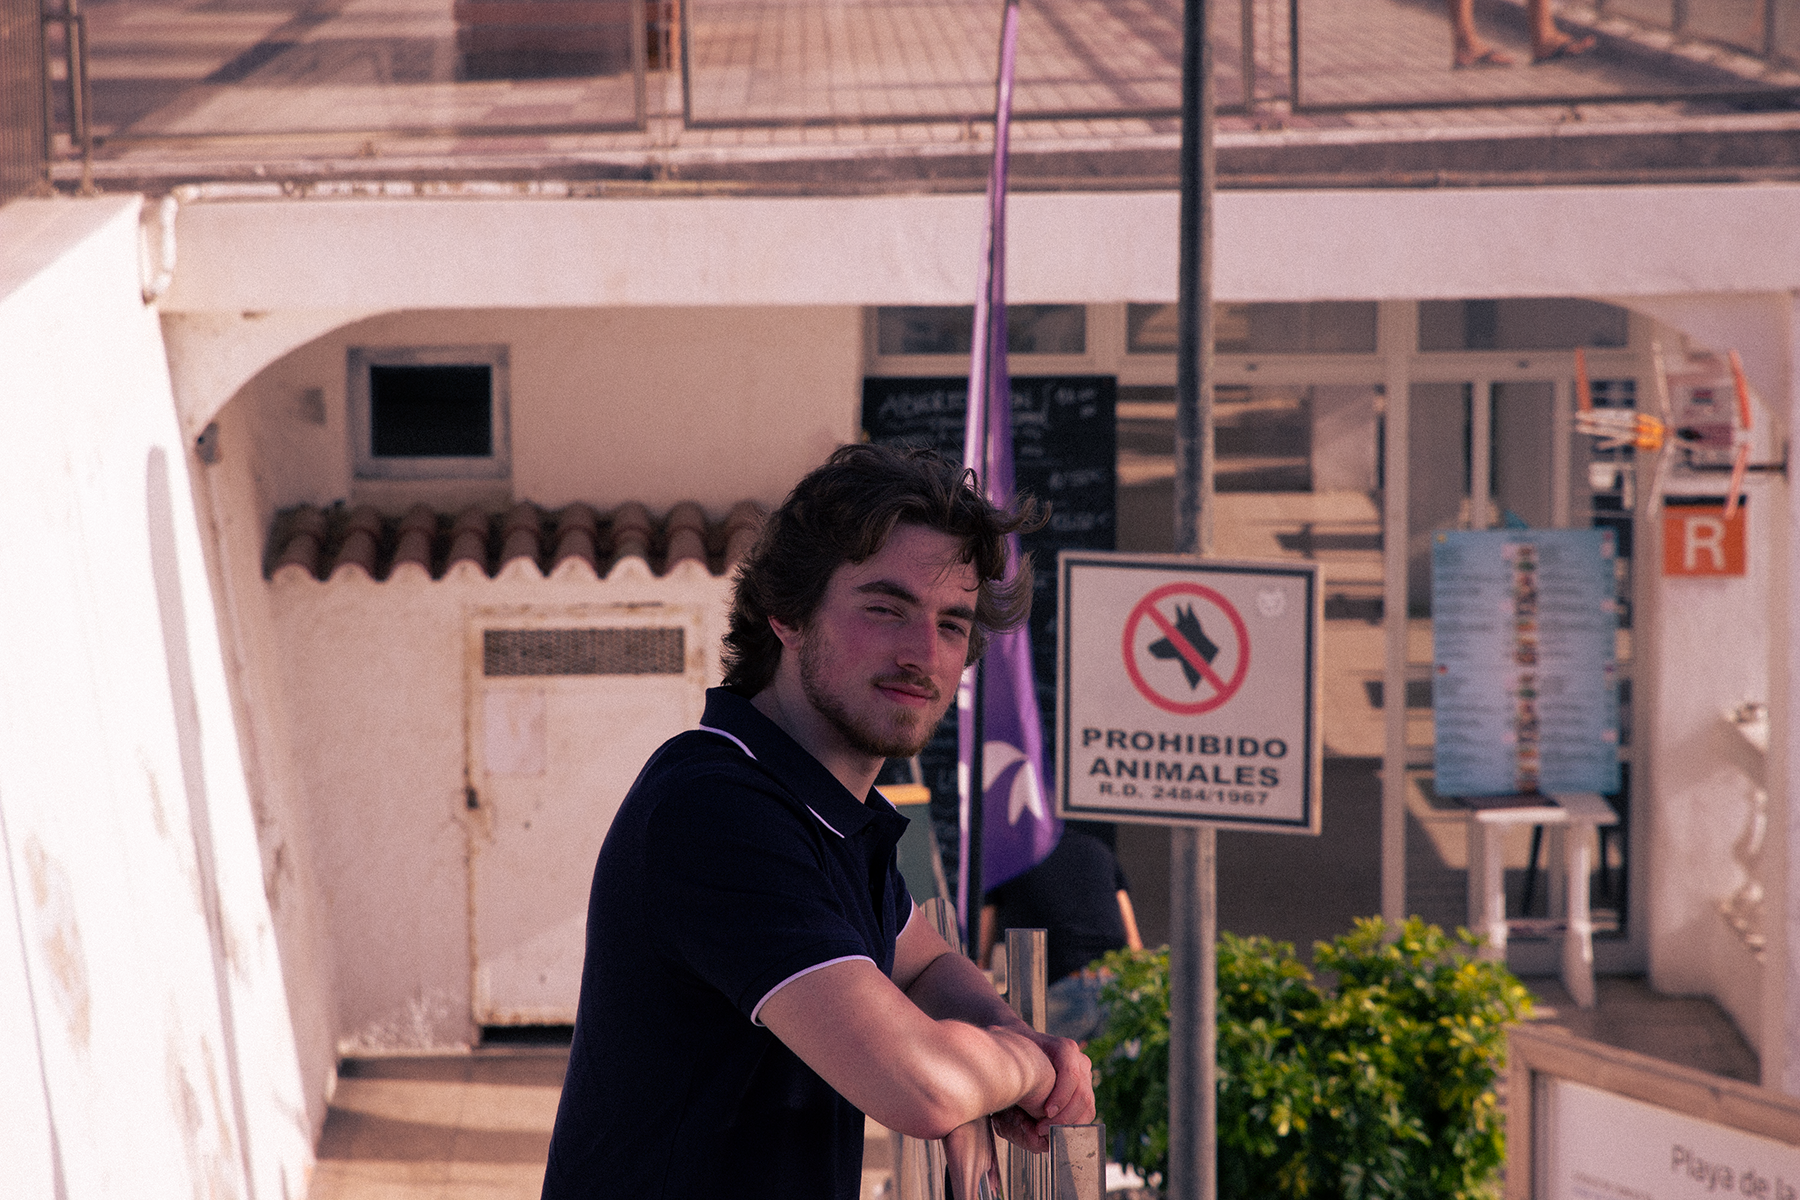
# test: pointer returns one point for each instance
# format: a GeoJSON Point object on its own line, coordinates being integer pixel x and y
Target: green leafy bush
{"type": "Point", "coordinates": [1379, 1085]}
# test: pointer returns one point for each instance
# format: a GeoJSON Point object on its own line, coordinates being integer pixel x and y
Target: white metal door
{"type": "Point", "coordinates": [563, 710]}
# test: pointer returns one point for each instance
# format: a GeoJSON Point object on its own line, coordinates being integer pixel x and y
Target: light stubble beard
{"type": "Point", "coordinates": [855, 731]}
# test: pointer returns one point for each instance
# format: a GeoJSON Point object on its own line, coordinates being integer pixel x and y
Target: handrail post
{"type": "Point", "coordinates": [81, 138]}
{"type": "Point", "coordinates": [1077, 1162]}
{"type": "Point", "coordinates": [1027, 1175]}
{"type": "Point", "coordinates": [1247, 35]}
{"type": "Point", "coordinates": [1075, 1167]}
{"type": "Point", "coordinates": [1294, 55]}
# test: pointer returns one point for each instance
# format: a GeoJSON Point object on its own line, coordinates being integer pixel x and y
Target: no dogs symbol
{"type": "Point", "coordinates": [1186, 649]}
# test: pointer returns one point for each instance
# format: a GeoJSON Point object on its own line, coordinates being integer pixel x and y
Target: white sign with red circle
{"type": "Point", "coordinates": [1188, 691]}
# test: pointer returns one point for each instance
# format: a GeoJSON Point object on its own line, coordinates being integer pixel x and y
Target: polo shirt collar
{"type": "Point", "coordinates": [769, 744]}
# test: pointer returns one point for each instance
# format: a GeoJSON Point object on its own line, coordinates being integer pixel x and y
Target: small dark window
{"type": "Point", "coordinates": [431, 412]}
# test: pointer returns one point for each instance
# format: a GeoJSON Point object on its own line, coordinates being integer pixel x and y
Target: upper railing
{"type": "Point", "coordinates": [299, 78]}
{"type": "Point", "coordinates": [23, 149]}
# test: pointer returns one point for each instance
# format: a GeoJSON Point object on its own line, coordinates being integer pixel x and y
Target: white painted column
{"type": "Point", "coordinates": [1399, 334]}
{"type": "Point", "coordinates": [1781, 975]}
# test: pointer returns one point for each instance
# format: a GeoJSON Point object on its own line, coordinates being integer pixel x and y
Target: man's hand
{"type": "Point", "coordinates": [1070, 1102]}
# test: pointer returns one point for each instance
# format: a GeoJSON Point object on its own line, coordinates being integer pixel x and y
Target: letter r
{"type": "Point", "coordinates": [1702, 534]}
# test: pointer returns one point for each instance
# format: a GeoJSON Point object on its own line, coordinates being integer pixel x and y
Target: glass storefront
{"type": "Point", "coordinates": [1324, 416]}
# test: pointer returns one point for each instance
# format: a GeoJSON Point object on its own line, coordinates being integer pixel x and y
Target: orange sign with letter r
{"type": "Point", "coordinates": [1700, 540]}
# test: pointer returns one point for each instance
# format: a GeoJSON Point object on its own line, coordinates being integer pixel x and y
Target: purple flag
{"type": "Point", "coordinates": [1019, 827]}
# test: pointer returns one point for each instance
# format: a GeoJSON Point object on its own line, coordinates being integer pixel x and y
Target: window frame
{"type": "Point", "coordinates": [365, 464]}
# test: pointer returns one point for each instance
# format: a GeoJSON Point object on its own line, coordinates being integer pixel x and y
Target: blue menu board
{"type": "Point", "coordinates": [1524, 690]}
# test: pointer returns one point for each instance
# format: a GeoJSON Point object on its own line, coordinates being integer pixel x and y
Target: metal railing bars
{"type": "Point", "coordinates": [81, 136]}
{"type": "Point", "coordinates": [1075, 1167]}
{"type": "Point", "coordinates": [24, 165]}
{"type": "Point", "coordinates": [1679, 25]}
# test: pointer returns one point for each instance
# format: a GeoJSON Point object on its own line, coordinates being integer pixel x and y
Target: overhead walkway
{"type": "Point", "coordinates": [809, 95]}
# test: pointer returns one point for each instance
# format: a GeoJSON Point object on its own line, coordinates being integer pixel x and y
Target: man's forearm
{"type": "Point", "coordinates": [921, 1075]}
{"type": "Point", "coordinates": [953, 988]}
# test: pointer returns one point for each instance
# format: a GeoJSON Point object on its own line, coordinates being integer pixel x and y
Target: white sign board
{"type": "Point", "coordinates": [1597, 1145]}
{"type": "Point", "coordinates": [1188, 691]}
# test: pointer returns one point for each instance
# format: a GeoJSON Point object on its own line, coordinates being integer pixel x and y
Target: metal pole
{"type": "Point", "coordinates": [1193, 878]}
{"type": "Point", "coordinates": [640, 54]}
{"type": "Point", "coordinates": [1294, 54]}
{"type": "Point", "coordinates": [1194, 333]}
{"type": "Point", "coordinates": [1193, 1015]}
{"type": "Point", "coordinates": [1247, 36]}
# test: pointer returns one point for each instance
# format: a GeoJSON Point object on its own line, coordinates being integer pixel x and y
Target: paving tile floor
{"type": "Point", "coordinates": [470, 1126]}
{"type": "Point", "coordinates": [475, 1126]}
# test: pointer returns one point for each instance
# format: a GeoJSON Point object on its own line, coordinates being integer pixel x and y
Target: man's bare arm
{"type": "Point", "coordinates": [946, 985]}
{"type": "Point", "coordinates": [911, 1072]}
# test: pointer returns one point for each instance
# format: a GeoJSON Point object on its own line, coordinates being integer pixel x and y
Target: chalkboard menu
{"type": "Point", "coordinates": [1524, 681]}
{"type": "Point", "coordinates": [1065, 452]}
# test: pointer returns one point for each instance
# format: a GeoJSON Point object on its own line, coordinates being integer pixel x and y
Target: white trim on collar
{"type": "Point", "coordinates": [734, 739]}
{"type": "Point", "coordinates": [739, 743]}
{"type": "Point", "coordinates": [823, 821]}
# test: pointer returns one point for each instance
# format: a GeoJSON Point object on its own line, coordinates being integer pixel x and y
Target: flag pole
{"type": "Point", "coordinates": [987, 343]}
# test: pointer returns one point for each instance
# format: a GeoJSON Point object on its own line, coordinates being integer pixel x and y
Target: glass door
{"type": "Point", "coordinates": [1496, 448]}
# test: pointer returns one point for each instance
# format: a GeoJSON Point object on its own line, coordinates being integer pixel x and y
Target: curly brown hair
{"type": "Point", "coordinates": [843, 513]}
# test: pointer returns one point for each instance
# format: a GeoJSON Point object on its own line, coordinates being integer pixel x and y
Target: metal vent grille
{"type": "Point", "coordinates": [583, 651]}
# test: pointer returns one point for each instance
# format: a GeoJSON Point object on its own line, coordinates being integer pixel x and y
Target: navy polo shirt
{"type": "Point", "coordinates": [736, 863]}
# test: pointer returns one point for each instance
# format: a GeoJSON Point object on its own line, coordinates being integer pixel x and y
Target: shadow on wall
{"type": "Point", "coordinates": [165, 567]}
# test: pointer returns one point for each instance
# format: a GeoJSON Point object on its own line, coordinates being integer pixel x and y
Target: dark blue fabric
{"type": "Point", "coordinates": [1074, 895]}
{"type": "Point", "coordinates": [720, 878]}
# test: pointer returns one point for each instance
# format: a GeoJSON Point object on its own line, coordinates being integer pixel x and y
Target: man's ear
{"type": "Point", "coordinates": [789, 634]}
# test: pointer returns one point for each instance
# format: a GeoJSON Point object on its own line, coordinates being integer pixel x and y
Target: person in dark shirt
{"type": "Point", "coordinates": [756, 977]}
{"type": "Point", "coordinates": [1078, 895]}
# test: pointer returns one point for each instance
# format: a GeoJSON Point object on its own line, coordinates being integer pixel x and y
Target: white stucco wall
{"type": "Point", "coordinates": [374, 676]}
{"type": "Point", "coordinates": [1711, 645]}
{"type": "Point", "coordinates": [1710, 639]}
{"type": "Point", "coordinates": [230, 497]}
{"type": "Point", "coordinates": [656, 405]}
{"type": "Point", "coordinates": [258, 274]}
{"type": "Point", "coordinates": [146, 1042]}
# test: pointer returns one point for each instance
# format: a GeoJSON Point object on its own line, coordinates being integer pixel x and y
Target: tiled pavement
{"type": "Point", "coordinates": [189, 81]}
{"type": "Point", "coordinates": [475, 1126]}
{"type": "Point", "coordinates": [459, 1127]}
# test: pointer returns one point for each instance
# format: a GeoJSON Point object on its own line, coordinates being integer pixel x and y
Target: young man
{"type": "Point", "coordinates": [756, 977]}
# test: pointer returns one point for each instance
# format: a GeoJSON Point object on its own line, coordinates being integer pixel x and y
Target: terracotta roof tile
{"type": "Point", "coordinates": [304, 539]}
{"type": "Point", "coordinates": [417, 530]}
{"type": "Point", "coordinates": [327, 542]}
{"type": "Point", "coordinates": [361, 544]}
{"type": "Point", "coordinates": [577, 535]}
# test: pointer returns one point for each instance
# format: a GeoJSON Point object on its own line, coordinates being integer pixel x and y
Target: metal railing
{"type": "Point", "coordinates": [494, 68]}
{"type": "Point", "coordinates": [1075, 1167]}
{"type": "Point", "coordinates": [24, 145]}
{"type": "Point", "coordinates": [1643, 67]}
{"type": "Point", "coordinates": [745, 64]}
{"type": "Point", "coordinates": [783, 63]}
{"type": "Point", "coordinates": [77, 91]}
